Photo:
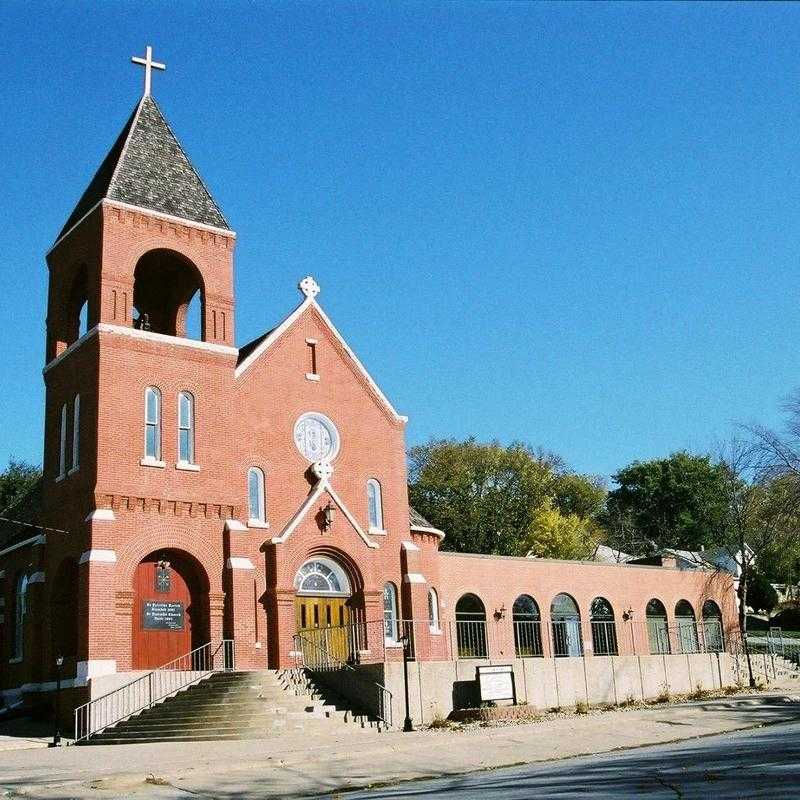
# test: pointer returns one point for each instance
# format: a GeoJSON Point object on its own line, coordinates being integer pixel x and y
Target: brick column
{"type": "Point", "coordinates": [242, 597]}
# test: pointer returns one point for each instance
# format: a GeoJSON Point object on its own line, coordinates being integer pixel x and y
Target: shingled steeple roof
{"type": "Point", "coordinates": [147, 168]}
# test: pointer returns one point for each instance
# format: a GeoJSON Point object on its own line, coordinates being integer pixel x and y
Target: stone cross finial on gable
{"type": "Point", "coordinates": [149, 65]}
{"type": "Point", "coordinates": [308, 286]}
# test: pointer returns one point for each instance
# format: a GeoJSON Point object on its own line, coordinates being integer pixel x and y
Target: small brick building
{"type": "Point", "coordinates": [195, 491]}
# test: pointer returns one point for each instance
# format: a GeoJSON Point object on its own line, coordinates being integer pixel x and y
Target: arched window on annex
{"type": "Point", "coordinates": [391, 624]}
{"type": "Point", "coordinates": [527, 627]}
{"type": "Point", "coordinates": [20, 617]}
{"type": "Point", "coordinates": [604, 628]}
{"type": "Point", "coordinates": [713, 636]}
{"type": "Point", "coordinates": [686, 623]}
{"type": "Point", "coordinates": [657, 627]}
{"type": "Point", "coordinates": [169, 295]}
{"type": "Point", "coordinates": [471, 627]}
{"type": "Point", "coordinates": [375, 506]}
{"type": "Point", "coordinates": [256, 498]}
{"type": "Point", "coordinates": [433, 611]}
{"type": "Point", "coordinates": [566, 621]}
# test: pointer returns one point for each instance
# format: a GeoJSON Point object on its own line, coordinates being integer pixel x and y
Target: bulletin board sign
{"type": "Point", "coordinates": [496, 682]}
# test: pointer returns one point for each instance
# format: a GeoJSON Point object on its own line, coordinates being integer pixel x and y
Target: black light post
{"type": "Point", "coordinates": [407, 725]}
{"type": "Point", "coordinates": [57, 732]}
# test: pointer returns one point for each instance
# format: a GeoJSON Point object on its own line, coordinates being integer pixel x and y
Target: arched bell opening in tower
{"type": "Point", "coordinates": [169, 295]}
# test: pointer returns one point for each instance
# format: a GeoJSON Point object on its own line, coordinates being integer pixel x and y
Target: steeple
{"type": "Point", "coordinates": [148, 168]}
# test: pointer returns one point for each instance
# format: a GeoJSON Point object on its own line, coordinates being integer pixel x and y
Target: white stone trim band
{"type": "Point", "coordinates": [98, 556]}
{"type": "Point", "coordinates": [237, 562]}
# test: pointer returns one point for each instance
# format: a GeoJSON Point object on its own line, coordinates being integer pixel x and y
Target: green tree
{"type": "Point", "coordinates": [15, 481]}
{"type": "Point", "coordinates": [553, 534]}
{"type": "Point", "coordinates": [670, 502]}
{"type": "Point", "coordinates": [486, 496]}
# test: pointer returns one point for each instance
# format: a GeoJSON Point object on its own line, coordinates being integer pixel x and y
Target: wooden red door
{"type": "Point", "coordinates": [162, 614]}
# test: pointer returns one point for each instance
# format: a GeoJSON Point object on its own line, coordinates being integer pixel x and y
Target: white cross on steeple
{"type": "Point", "coordinates": [149, 65]}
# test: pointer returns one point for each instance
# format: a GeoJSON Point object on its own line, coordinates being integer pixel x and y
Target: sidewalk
{"type": "Point", "coordinates": [294, 767]}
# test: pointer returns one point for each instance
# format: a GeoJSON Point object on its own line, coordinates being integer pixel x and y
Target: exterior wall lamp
{"type": "Point", "coordinates": [329, 513]}
{"type": "Point", "coordinates": [500, 613]}
{"type": "Point", "coordinates": [628, 615]}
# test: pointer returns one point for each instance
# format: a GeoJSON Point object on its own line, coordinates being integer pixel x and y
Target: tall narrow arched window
{"type": "Point", "coordinates": [152, 424]}
{"type": "Point", "coordinates": [712, 627]}
{"type": "Point", "coordinates": [20, 613]}
{"type": "Point", "coordinates": [604, 629]}
{"type": "Point", "coordinates": [566, 621]}
{"type": "Point", "coordinates": [471, 627]}
{"type": "Point", "coordinates": [76, 433]}
{"type": "Point", "coordinates": [186, 428]}
{"type": "Point", "coordinates": [687, 627]}
{"type": "Point", "coordinates": [657, 627]}
{"type": "Point", "coordinates": [433, 610]}
{"type": "Point", "coordinates": [374, 505]}
{"type": "Point", "coordinates": [527, 627]}
{"type": "Point", "coordinates": [62, 444]}
{"type": "Point", "coordinates": [390, 626]}
{"type": "Point", "coordinates": [256, 496]}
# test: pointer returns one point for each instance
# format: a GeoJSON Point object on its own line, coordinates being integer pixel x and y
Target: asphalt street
{"type": "Point", "coordinates": [764, 763]}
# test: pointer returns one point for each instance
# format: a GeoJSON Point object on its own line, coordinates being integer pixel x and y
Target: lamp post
{"type": "Point", "coordinates": [57, 727]}
{"type": "Point", "coordinates": [408, 727]}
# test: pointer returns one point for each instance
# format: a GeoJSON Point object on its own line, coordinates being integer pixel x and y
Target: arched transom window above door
{"type": "Point", "coordinates": [322, 576]}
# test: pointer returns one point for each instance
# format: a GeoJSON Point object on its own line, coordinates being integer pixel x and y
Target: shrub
{"type": "Point", "coordinates": [581, 707]}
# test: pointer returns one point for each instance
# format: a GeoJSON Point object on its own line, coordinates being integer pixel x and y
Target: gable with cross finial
{"type": "Point", "coordinates": [149, 65]}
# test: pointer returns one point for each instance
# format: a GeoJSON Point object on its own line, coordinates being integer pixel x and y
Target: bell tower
{"type": "Point", "coordinates": [145, 255]}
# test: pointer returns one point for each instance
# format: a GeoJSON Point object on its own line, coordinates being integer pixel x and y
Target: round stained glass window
{"type": "Point", "coordinates": [316, 437]}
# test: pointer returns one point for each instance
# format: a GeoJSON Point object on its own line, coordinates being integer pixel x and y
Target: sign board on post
{"type": "Point", "coordinates": [161, 616]}
{"type": "Point", "coordinates": [497, 682]}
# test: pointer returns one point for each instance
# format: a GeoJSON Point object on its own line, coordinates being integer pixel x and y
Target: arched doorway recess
{"type": "Point", "coordinates": [171, 610]}
{"type": "Point", "coordinates": [324, 611]}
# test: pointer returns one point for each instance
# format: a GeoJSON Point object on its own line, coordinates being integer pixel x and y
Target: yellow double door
{"type": "Point", "coordinates": [324, 621]}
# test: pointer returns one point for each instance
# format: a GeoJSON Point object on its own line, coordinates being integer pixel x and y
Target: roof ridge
{"type": "Point", "coordinates": [183, 152]}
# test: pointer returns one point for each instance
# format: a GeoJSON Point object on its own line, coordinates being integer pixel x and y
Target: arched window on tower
{"type": "Point", "coordinates": [256, 497]}
{"type": "Point", "coordinates": [185, 428]}
{"type": "Point", "coordinates": [374, 505]}
{"type": "Point", "coordinates": [20, 615]}
{"type": "Point", "coordinates": [152, 424]}
{"type": "Point", "coordinates": [76, 433]}
{"type": "Point", "coordinates": [62, 444]}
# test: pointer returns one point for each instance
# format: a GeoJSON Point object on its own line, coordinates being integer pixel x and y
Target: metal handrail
{"type": "Point", "coordinates": [152, 687]}
{"type": "Point", "coordinates": [326, 662]}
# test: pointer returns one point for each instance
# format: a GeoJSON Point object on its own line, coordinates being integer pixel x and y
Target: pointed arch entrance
{"type": "Point", "coordinates": [171, 610]}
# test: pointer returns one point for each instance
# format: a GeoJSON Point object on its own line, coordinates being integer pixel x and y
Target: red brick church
{"type": "Point", "coordinates": [195, 490]}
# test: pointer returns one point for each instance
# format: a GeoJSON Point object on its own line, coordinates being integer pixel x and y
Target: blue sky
{"type": "Point", "coordinates": [570, 224]}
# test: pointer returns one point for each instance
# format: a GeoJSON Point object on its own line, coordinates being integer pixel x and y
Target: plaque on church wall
{"type": "Point", "coordinates": [497, 683]}
{"type": "Point", "coordinates": [161, 616]}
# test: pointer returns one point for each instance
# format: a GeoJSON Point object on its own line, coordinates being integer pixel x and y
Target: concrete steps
{"type": "Point", "coordinates": [238, 705]}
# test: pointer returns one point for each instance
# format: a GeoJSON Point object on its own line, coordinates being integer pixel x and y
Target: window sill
{"type": "Point", "coordinates": [435, 631]}
{"type": "Point", "coordinates": [73, 471]}
{"type": "Point", "coordinates": [151, 462]}
{"type": "Point", "coordinates": [392, 643]}
{"type": "Point", "coordinates": [15, 660]}
{"type": "Point", "coordinates": [377, 531]}
{"type": "Point", "coordinates": [61, 477]}
{"type": "Point", "coordinates": [312, 376]}
{"type": "Point", "coordinates": [185, 466]}
{"type": "Point", "coordinates": [257, 523]}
